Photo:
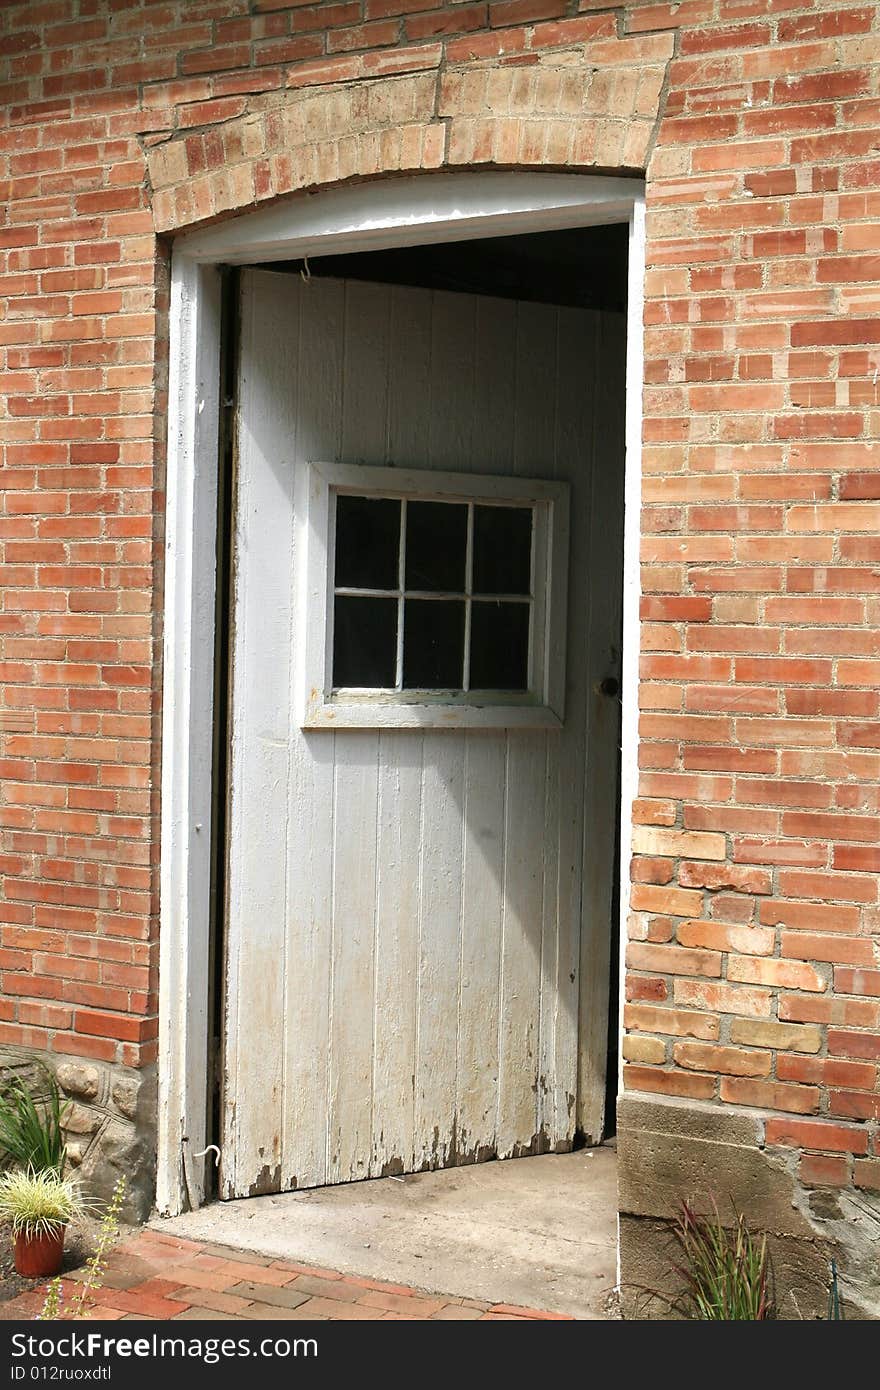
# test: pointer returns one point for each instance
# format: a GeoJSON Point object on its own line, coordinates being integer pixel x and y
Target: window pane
{"type": "Point", "coordinates": [500, 646]}
{"type": "Point", "coordinates": [433, 644]}
{"type": "Point", "coordinates": [367, 542]}
{"type": "Point", "coordinates": [436, 544]}
{"type": "Point", "coordinates": [365, 642]}
{"type": "Point", "coordinates": [502, 550]}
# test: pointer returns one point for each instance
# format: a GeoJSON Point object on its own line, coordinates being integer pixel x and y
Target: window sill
{"type": "Point", "coordinates": [332, 714]}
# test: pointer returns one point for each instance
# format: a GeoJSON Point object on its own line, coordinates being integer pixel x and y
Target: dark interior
{"type": "Point", "coordinates": [581, 267]}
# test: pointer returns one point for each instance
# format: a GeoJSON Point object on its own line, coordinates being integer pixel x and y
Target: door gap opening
{"type": "Point", "coordinates": [230, 292]}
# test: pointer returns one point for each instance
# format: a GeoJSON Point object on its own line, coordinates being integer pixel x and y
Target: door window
{"type": "Point", "coordinates": [448, 595]}
{"type": "Point", "coordinates": [432, 596]}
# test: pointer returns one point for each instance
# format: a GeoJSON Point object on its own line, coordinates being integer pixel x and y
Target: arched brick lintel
{"type": "Point", "coordinates": [595, 106]}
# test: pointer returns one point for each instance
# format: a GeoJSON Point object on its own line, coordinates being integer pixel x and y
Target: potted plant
{"type": "Point", "coordinates": [38, 1206]}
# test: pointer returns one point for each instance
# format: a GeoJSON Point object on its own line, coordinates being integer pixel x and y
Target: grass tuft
{"type": "Point", "coordinates": [31, 1131]}
{"type": "Point", "coordinates": [725, 1269]}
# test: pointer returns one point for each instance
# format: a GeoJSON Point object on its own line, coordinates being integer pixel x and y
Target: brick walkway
{"type": "Point", "coordinates": [156, 1277]}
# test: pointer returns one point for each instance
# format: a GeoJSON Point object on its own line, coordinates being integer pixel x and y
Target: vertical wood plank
{"type": "Point", "coordinates": [409, 385]}
{"type": "Point", "coordinates": [521, 947]}
{"type": "Point", "coordinates": [400, 791]}
{"type": "Point", "coordinates": [397, 952]}
{"type": "Point", "coordinates": [353, 957]}
{"type": "Point", "coordinates": [363, 439]}
{"type": "Point", "coordinates": [535, 390]}
{"type": "Point", "coordinates": [481, 925]}
{"type": "Point", "coordinates": [452, 382]}
{"type": "Point", "coordinates": [494, 385]}
{"type": "Point", "coordinates": [253, 1091]}
{"type": "Point", "coordinates": [450, 445]}
{"type": "Point", "coordinates": [439, 947]}
{"type": "Point", "coordinates": [366, 373]}
{"type": "Point", "coordinates": [310, 828]}
{"type": "Point", "coordinates": [485, 790]}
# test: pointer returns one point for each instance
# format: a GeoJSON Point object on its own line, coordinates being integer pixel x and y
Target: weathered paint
{"type": "Point", "coordinates": [405, 906]}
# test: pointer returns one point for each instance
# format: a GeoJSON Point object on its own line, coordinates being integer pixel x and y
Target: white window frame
{"type": "Point", "coordinates": [375, 214]}
{"type": "Point", "coordinates": [541, 706]}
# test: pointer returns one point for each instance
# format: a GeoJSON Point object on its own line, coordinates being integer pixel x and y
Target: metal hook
{"type": "Point", "coordinates": [212, 1148]}
{"type": "Point", "coordinates": [305, 273]}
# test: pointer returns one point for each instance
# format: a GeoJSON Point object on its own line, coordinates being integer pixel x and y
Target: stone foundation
{"type": "Point", "coordinates": [111, 1124]}
{"type": "Point", "coordinates": [669, 1151]}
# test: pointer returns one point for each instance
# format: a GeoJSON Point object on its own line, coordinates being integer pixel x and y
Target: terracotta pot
{"type": "Point", "coordinates": [39, 1257]}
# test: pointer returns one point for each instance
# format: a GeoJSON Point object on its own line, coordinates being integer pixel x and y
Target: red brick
{"type": "Point", "coordinates": [722, 998]}
{"type": "Point", "coordinates": [673, 960]}
{"type": "Point", "coordinates": [848, 981]}
{"type": "Point", "coordinates": [826, 1071]}
{"type": "Point", "coordinates": [816, 1134]}
{"type": "Point", "coordinates": [638, 987]}
{"type": "Point", "coordinates": [852, 1044]}
{"type": "Point", "coordinates": [769, 1095]}
{"type": "Point", "coordinates": [669, 1083]}
{"type": "Point", "coordinates": [824, 1170]}
{"type": "Point", "coordinates": [866, 1174]}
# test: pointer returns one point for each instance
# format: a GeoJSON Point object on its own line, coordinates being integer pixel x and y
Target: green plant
{"type": "Point", "coordinates": [725, 1271]}
{"type": "Point", "coordinates": [51, 1309]}
{"type": "Point", "coordinates": [31, 1130]}
{"type": "Point", "coordinates": [835, 1308]}
{"type": "Point", "coordinates": [38, 1203]}
{"type": "Point", "coordinates": [95, 1269]}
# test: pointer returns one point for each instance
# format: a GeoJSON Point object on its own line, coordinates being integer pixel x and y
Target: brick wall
{"type": "Point", "coordinates": [754, 977]}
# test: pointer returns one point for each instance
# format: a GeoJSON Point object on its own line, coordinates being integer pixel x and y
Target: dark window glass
{"type": "Point", "coordinates": [365, 642]}
{"type": "Point", "coordinates": [433, 644]}
{"type": "Point", "coordinates": [436, 546]}
{"type": "Point", "coordinates": [502, 550]}
{"type": "Point", "coordinates": [500, 646]}
{"type": "Point", "coordinates": [367, 542]}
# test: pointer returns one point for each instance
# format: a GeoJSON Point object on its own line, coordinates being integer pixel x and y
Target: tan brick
{"type": "Point", "coordinates": [678, 844]}
{"type": "Point", "coordinates": [682, 1023]}
{"type": "Point", "coordinates": [641, 1049]}
{"type": "Point", "coordinates": [733, 1061]}
{"type": "Point", "coordinates": [678, 902]}
{"type": "Point", "coordinates": [792, 1037]}
{"type": "Point", "coordinates": [782, 974]}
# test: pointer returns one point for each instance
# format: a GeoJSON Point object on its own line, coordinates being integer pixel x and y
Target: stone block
{"type": "Point", "coordinates": [78, 1079]}
{"type": "Point", "coordinates": [670, 1150]}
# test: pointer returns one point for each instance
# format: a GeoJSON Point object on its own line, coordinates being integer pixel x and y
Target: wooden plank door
{"type": "Point", "coordinates": [405, 916]}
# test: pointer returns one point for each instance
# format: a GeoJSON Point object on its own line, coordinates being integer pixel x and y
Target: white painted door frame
{"type": "Point", "coordinates": [379, 215]}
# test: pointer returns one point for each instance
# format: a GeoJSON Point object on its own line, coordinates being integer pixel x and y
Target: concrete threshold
{"type": "Point", "coordinates": [537, 1232]}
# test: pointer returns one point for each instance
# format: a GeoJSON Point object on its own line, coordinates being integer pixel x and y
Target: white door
{"type": "Point", "coordinates": [410, 910]}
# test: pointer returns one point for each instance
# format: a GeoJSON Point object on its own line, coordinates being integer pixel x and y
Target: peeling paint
{"type": "Point", "coordinates": [267, 1180]}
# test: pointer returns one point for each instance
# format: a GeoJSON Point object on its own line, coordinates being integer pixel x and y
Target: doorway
{"type": "Point", "coordinates": [394, 213]}
{"type": "Point", "coordinates": [423, 775]}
